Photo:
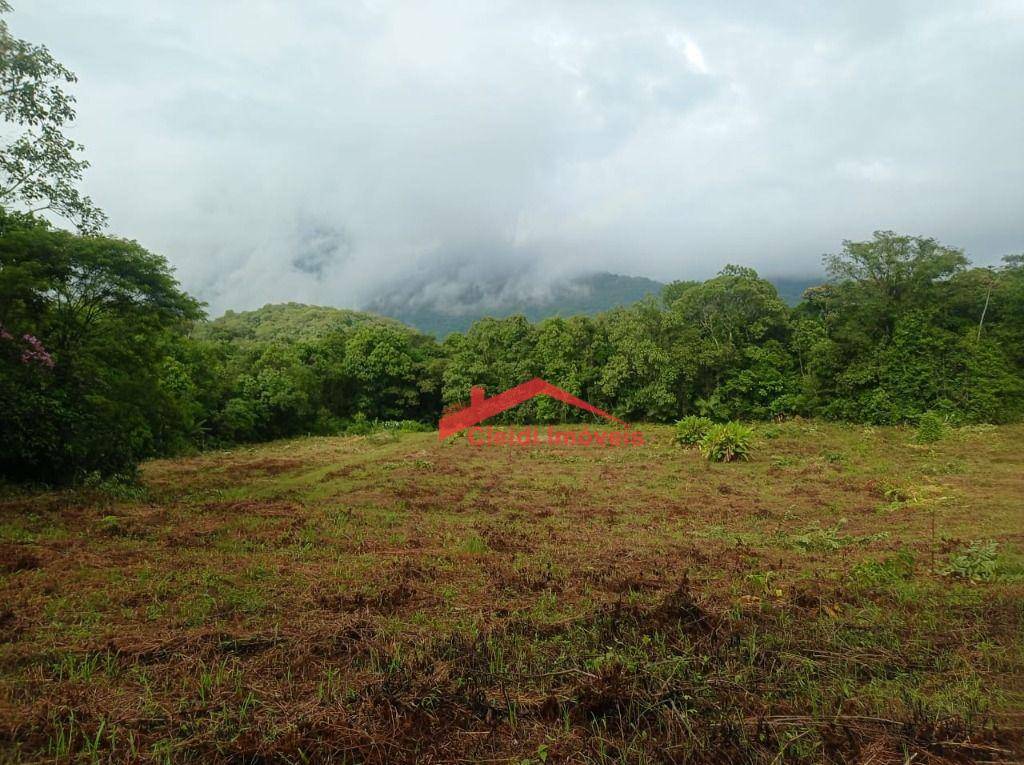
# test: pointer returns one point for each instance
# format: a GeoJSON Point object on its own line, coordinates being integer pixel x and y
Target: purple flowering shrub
{"type": "Point", "coordinates": [33, 351]}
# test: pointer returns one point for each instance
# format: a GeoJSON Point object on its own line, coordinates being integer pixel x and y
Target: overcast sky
{"type": "Point", "coordinates": [318, 151]}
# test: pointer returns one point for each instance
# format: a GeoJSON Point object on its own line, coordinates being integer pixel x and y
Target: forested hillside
{"type": "Point", "coordinates": [585, 295]}
{"type": "Point", "coordinates": [289, 322]}
{"type": "Point", "coordinates": [417, 304]}
{"type": "Point", "coordinates": [106, 361]}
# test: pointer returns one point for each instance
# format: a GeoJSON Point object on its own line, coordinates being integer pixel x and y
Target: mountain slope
{"type": "Point", "coordinates": [589, 294]}
{"type": "Point", "coordinates": [285, 322]}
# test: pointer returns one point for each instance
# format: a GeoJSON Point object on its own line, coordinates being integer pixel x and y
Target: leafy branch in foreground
{"type": "Point", "coordinates": [39, 167]}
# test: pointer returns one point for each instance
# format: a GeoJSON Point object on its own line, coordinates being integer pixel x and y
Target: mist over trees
{"type": "Point", "coordinates": [106, 361]}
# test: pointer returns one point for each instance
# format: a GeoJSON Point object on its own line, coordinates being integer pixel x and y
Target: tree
{"type": "Point", "coordinates": [39, 167]}
{"type": "Point", "coordinates": [568, 354]}
{"type": "Point", "coordinates": [388, 370]}
{"type": "Point", "coordinates": [882, 278]}
{"type": "Point", "coordinates": [735, 308]}
{"type": "Point", "coordinates": [90, 326]}
{"type": "Point", "coordinates": [494, 353]}
{"type": "Point", "coordinates": [672, 291]}
{"type": "Point", "coordinates": [744, 366]}
{"type": "Point", "coordinates": [909, 328]}
{"type": "Point", "coordinates": [644, 368]}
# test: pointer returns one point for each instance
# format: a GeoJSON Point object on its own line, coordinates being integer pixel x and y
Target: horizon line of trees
{"type": "Point", "coordinates": [105, 360]}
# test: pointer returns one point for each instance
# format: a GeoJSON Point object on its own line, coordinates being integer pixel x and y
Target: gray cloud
{"type": "Point", "coordinates": [322, 249]}
{"type": "Point", "coordinates": [320, 151]}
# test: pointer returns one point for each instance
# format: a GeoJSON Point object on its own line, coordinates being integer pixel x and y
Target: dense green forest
{"type": "Point", "coordinates": [583, 295]}
{"type": "Point", "coordinates": [106, 361]}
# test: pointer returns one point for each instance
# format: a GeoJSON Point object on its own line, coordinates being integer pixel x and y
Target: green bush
{"type": "Point", "coordinates": [727, 442]}
{"type": "Point", "coordinates": [361, 426]}
{"type": "Point", "coordinates": [690, 430]}
{"type": "Point", "coordinates": [931, 427]}
{"type": "Point", "coordinates": [975, 563]}
{"type": "Point", "coordinates": [892, 570]}
{"type": "Point", "coordinates": [406, 426]}
{"type": "Point", "coordinates": [119, 486]}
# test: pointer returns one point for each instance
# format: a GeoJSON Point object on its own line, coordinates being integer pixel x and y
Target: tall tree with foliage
{"type": "Point", "coordinates": [495, 353]}
{"type": "Point", "coordinates": [643, 369]}
{"type": "Point", "coordinates": [744, 367]}
{"type": "Point", "coordinates": [40, 166]}
{"type": "Point", "coordinates": [878, 280]}
{"type": "Point", "coordinates": [902, 318]}
{"type": "Point", "coordinates": [91, 326]}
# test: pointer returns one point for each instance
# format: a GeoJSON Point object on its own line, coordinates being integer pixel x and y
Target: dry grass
{"type": "Point", "coordinates": [392, 599]}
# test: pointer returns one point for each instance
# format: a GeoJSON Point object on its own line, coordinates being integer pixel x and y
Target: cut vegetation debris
{"type": "Point", "coordinates": [397, 600]}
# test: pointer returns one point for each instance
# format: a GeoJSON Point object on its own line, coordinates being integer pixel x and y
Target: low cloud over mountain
{"type": "Point", "coordinates": [323, 152]}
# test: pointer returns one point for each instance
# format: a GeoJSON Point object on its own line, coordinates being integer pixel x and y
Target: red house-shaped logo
{"type": "Point", "coordinates": [480, 407]}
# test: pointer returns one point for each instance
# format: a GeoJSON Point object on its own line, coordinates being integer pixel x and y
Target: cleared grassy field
{"type": "Point", "coordinates": [392, 599]}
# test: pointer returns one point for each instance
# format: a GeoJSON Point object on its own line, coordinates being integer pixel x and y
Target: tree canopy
{"type": "Point", "coordinates": [39, 165]}
{"type": "Point", "coordinates": [107, 361]}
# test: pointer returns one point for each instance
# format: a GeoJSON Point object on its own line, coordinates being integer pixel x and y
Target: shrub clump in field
{"type": "Point", "coordinates": [123, 486]}
{"type": "Point", "coordinates": [930, 428]}
{"type": "Point", "coordinates": [690, 430]}
{"type": "Point", "coordinates": [727, 442]}
{"type": "Point", "coordinates": [361, 426]}
{"type": "Point", "coordinates": [975, 563]}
